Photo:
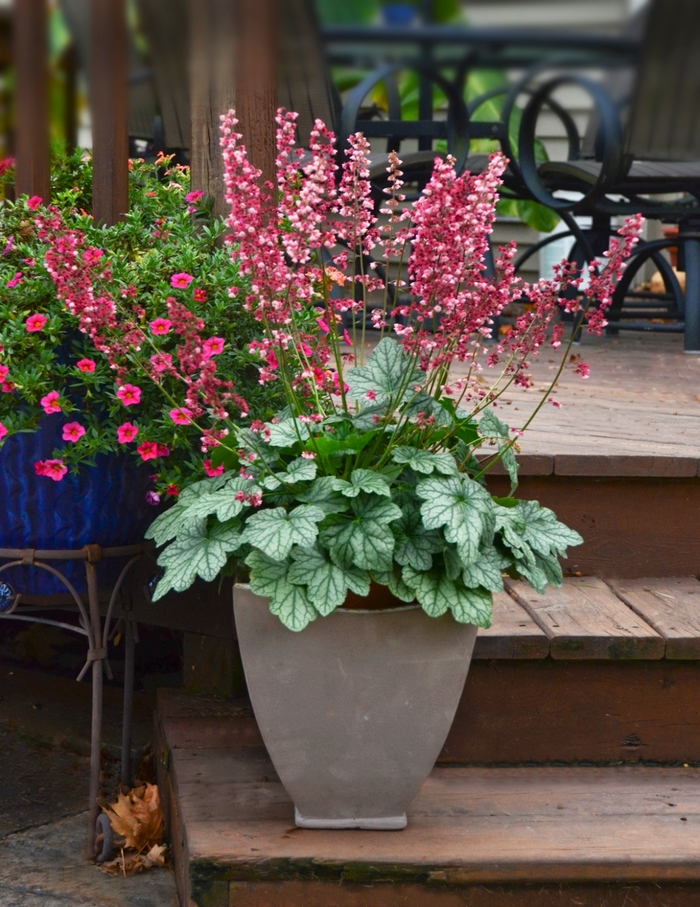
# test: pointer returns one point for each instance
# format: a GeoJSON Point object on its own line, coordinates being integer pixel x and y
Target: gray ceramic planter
{"type": "Point", "coordinates": [354, 710]}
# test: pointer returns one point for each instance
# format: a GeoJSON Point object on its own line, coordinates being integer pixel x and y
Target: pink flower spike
{"type": "Point", "coordinates": [50, 403]}
{"type": "Point", "coordinates": [3, 431]}
{"type": "Point", "coordinates": [181, 280]}
{"type": "Point", "coordinates": [126, 432]}
{"type": "Point", "coordinates": [14, 281]}
{"type": "Point", "coordinates": [161, 361]}
{"type": "Point", "coordinates": [129, 394]}
{"type": "Point", "coordinates": [213, 347]}
{"type": "Point", "coordinates": [148, 450]}
{"type": "Point", "coordinates": [52, 469]}
{"type": "Point", "coordinates": [213, 471]}
{"type": "Point", "coordinates": [35, 322]}
{"type": "Point", "coordinates": [86, 365]}
{"type": "Point", "coordinates": [73, 431]}
{"type": "Point", "coordinates": [181, 416]}
{"type": "Point", "coordinates": [160, 326]}
{"type": "Point", "coordinates": [33, 203]}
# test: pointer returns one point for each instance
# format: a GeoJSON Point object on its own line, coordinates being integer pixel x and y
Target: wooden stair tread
{"type": "Point", "coordinates": [671, 605]}
{"type": "Point", "coordinates": [513, 633]}
{"type": "Point", "coordinates": [467, 825]}
{"type": "Point", "coordinates": [585, 619]}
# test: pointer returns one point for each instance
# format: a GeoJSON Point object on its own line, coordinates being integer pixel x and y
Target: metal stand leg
{"type": "Point", "coordinates": [96, 655]}
{"type": "Point", "coordinates": [129, 643]}
{"type": "Point", "coordinates": [691, 342]}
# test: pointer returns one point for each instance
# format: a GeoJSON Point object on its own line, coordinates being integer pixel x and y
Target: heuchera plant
{"type": "Point", "coordinates": [371, 473]}
{"type": "Point", "coordinates": [100, 327]}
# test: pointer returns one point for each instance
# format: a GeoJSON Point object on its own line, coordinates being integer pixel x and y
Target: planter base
{"type": "Point", "coordinates": [382, 823]}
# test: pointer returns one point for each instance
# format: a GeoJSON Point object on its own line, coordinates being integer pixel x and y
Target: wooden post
{"type": "Point", "coordinates": [256, 80]}
{"type": "Point", "coordinates": [108, 103]}
{"type": "Point", "coordinates": [233, 64]}
{"type": "Point", "coordinates": [33, 174]}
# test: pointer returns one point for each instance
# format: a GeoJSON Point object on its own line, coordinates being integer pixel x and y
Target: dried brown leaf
{"type": "Point", "coordinates": [131, 863]}
{"type": "Point", "coordinates": [137, 817]}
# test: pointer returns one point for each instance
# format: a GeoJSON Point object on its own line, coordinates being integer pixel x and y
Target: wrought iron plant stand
{"type": "Point", "coordinates": [18, 606]}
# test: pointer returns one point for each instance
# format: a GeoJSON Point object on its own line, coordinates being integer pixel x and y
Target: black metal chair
{"type": "Point", "coordinates": [647, 149]}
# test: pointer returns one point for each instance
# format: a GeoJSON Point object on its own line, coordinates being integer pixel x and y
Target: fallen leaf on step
{"type": "Point", "coordinates": [131, 863]}
{"type": "Point", "coordinates": [137, 817]}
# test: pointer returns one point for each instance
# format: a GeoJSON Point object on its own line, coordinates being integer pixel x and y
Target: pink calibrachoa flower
{"type": "Point", "coordinates": [35, 322]}
{"type": "Point", "coordinates": [73, 431]}
{"type": "Point", "coordinates": [152, 498]}
{"type": "Point", "coordinates": [52, 469]}
{"type": "Point", "coordinates": [50, 402]}
{"type": "Point", "coordinates": [7, 387]}
{"type": "Point", "coordinates": [126, 432]}
{"type": "Point", "coordinates": [163, 450]}
{"type": "Point", "coordinates": [3, 432]}
{"type": "Point", "coordinates": [181, 280]}
{"type": "Point", "coordinates": [160, 326]}
{"type": "Point", "coordinates": [199, 295]}
{"type": "Point", "coordinates": [33, 203]}
{"type": "Point", "coordinates": [86, 365]}
{"type": "Point", "coordinates": [181, 416]}
{"type": "Point", "coordinates": [4, 371]}
{"type": "Point", "coordinates": [148, 450]}
{"type": "Point", "coordinates": [9, 244]}
{"type": "Point", "coordinates": [14, 281]}
{"type": "Point", "coordinates": [194, 196]}
{"type": "Point", "coordinates": [129, 394]}
{"type": "Point", "coordinates": [172, 489]}
{"type": "Point", "coordinates": [213, 471]}
{"type": "Point", "coordinates": [212, 347]}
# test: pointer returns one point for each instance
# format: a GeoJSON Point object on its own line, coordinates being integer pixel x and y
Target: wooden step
{"type": "Point", "coordinates": [472, 832]}
{"type": "Point", "coordinates": [594, 672]}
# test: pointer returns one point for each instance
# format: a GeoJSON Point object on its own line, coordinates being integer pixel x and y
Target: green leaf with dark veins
{"type": "Point", "coordinates": [414, 545]}
{"type": "Point", "coordinates": [322, 493]}
{"type": "Point", "coordinates": [395, 584]}
{"type": "Point", "coordinates": [490, 426]}
{"type": "Point", "coordinates": [543, 531]}
{"type": "Point", "coordinates": [326, 583]}
{"type": "Point", "coordinates": [462, 506]}
{"type": "Point", "coordinates": [199, 551]}
{"type": "Point", "coordinates": [293, 607]}
{"type": "Point", "coordinates": [485, 572]}
{"type": "Point", "coordinates": [363, 480]}
{"type": "Point", "coordinates": [170, 523]}
{"type": "Point", "coordinates": [275, 531]}
{"type": "Point", "coordinates": [425, 462]}
{"type": "Point", "coordinates": [299, 470]}
{"type": "Point", "coordinates": [287, 433]}
{"type": "Point", "coordinates": [266, 574]}
{"type": "Point", "coordinates": [473, 606]}
{"type": "Point", "coordinates": [387, 370]}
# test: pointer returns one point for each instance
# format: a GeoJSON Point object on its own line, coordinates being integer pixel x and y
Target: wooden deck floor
{"type": "Point", "coordinates": [642, 399]}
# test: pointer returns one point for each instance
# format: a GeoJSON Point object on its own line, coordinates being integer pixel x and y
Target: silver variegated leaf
{"type": "Point", "coordinates": [424, 461]}
{"type": "Point", "coordinates": [414, 545]}
{"type": "Point", "coordinates": [322, 494]}
{"type": "Point", "coordinates": [199, 552]}
{"type": "Point", "coordinates": [363, 480]}
{"type": "Point", "coordinates": [462, 506]}
{"type": "Point", "coordinates": [286, 433]}
{"type": "Point", "coordinates": [275, 531]}
{"type": "Point", "coordinates": [387, 370]}
{"type": "Point", "coordinates": [326, 583]}
{"type": "Point", "coordinates": [543, 531]}
{"type": "Point", "coordinates": [485, 572]}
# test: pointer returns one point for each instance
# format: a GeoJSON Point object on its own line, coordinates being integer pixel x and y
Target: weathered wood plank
{"type": "Point", "coordinates": [584, 619]}
{"type": "Point", "coordinates": [30, 50]}
{"type": "Point", "coordinates": [398, 894]}
{"type": "Point", "coordinates": [671, 606]}
{"type": "Point", "coordinates": [547, 711]}
{"type": "Point", "coordinates": [513, 633]}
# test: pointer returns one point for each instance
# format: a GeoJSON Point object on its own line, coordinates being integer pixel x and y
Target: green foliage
{"type": "Point", "coordinates": [360, 507]}
{"type": "Point", "coordinates": [158, 238]}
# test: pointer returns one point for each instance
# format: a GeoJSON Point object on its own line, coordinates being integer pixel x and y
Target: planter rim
{"type": "Point", "coordinates": [340, 610]}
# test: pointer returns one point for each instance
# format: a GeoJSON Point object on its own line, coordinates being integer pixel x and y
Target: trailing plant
{"type": "Point", "coordinates": [148, 282]}
{"type": "Point", "coordinates": [374, 472]}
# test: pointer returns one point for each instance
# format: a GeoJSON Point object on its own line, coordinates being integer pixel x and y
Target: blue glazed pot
{"type": "Point", "coordinates": [103, 505]}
